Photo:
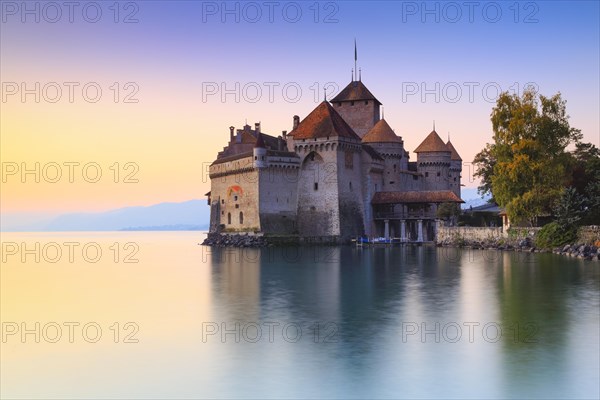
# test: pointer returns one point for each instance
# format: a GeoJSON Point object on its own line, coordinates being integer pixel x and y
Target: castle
{"type": "Point", "coordinates": [341, 172]}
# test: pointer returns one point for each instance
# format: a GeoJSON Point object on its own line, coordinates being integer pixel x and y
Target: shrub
{"type": "Point", "coordinates": [553, 235]}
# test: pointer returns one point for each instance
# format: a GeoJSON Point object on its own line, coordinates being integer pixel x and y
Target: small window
{"type": "Point", "coordinates": [241, 218]}
{"type": "Point", "coordinates": [316, 185]}
{"type": "Point", "coordinates": [222, 212]}
{"type": "Point", "coordinates": [366, 101]}
{"type": "Point", "coordinates": [438, 174]}
{"type": "Point", "coordinates": [454, 179]}
{"type": "Point", "coordinates": [426, 174]}
{"type": "Point", "coordinates": [222, 201]}
{"type": "Point", "coordinates": [394, 167]}
{"type": "Point", "coordinates": [392, 182]}
{"type": "Point", "coordinates": [237, 206]}
{"type": "Point", "coordinates": [234, 198]}
{"type": "Point", "coordinates": [350, 185]}
{"type": "Point", "coordinates": [351, 103]}
{"type": "Point", "coordinates": [228, 218]}
{"type": "Point", "coordinates": [255, 158]}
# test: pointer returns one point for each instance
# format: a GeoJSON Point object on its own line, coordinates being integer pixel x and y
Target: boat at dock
{"type": "Point", "coordinates": [365, 240]}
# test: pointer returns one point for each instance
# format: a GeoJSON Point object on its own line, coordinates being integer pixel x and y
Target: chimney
{"type": "Point", "coordinates": [279, 143]}
{"type": "Point", "coordinates": [284, 134]}
{"type": "Point", "coordinates": [257, 127]}
{"type": "Point", "coordinates": [238, 137]}
{"type": "Point", "coordinates": [296, 121]}
{"type": "Point", "coordinates": [231, 128]}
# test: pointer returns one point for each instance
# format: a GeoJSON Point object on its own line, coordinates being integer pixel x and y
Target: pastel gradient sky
{"type": "Point", "coordinates": [177, 50]}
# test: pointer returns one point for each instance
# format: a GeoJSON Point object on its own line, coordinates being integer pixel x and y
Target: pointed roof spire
{"type": "Point", "coordinates": [354, 91]}
{"type": "Point", "coordinates": [432, 143]}
{"type": "Point", "coordinates": [453, 153]}
{"type": "Point", "coordinates": [324, 93]}
{"type": "Point", "coordinates": [434, 125]}
{"type": "Point", "coordinates": [381, 132]}
{"type": "Point", "coordinates": [260, 142]}
{"type": "Point", "coordinates": [360, 74]}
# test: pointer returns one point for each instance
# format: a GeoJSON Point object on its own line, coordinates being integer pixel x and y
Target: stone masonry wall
{"type": "Point", "coordinates": [278, 200]}
{"type": "Point", "coordinates": [360, 116]}
{"type": "Point", "coordinates": [452, 233]}
{"type": "Point", "coordinates": [235, 193]}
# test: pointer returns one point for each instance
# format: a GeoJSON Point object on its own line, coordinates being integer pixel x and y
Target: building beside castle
{"type": "Point", "coordinates": [341, 172]}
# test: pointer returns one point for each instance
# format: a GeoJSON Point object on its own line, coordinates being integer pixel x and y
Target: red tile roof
{"type": "Point", "coordinates": [356, 90]}
{"type": "Point", "coordinates": [381, 133]}
{"type": "Point", "coordinates": [323, 122]}
{"type": "Point", "coordinates": [433, 196]}
{"type": "Point", "coordinates": [432, 143]}
{"type": "Point", "coordinates": [454, 153]}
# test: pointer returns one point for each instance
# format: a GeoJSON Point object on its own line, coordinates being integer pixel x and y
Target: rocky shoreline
{"type": "Point", "coordinates": [234, 240]}
{"type": "Point", "coordinates": [580, 250]}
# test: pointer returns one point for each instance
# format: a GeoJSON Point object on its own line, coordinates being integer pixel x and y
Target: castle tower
{"type": "Point", "coordinates": [358, 107]}
{"type": "Point", "coordinates": [455, 169]}
{"type": "Point", "coordinates": [260, 152]}
{"type": "Point", "coordinates": [433, 161]}
{"type": "Point", "coordinates": [391, 147]}
{"type": "Point", "coordinates": [329, 182]}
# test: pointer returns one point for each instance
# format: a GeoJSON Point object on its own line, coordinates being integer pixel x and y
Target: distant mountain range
{"type": "Point", "coordinates": [189, 215]}
{"type": "Point", "coordinates": [185, 216]}
{"type": "Point", "coordinates": [472, 198]}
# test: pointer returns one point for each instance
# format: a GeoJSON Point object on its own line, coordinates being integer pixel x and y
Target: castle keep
{"type": "Point", "coordinates": [341, 172]}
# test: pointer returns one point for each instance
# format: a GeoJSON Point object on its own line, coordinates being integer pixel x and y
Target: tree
{"type": "Point", "coordinates": [525, 167]}
{"type": "Point", "coordinates": [448, 212]}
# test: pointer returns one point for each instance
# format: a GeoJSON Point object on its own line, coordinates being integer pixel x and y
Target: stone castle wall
{"type": "Point", "coordinates": [349, 179]}
{"type": "Point", "coordinates": [435, 168]}
{"type": "Point", "coordinates": [361, 115]}
{"type": "Point", "coordinates": [318, 211]}
{"type": "Point", "coordinates": [235, 189]}
{"type": "Point", "coordinates": [278, 200]}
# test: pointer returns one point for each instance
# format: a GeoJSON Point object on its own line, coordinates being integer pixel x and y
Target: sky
{"type": "Point", "coordinates": [113, 104]}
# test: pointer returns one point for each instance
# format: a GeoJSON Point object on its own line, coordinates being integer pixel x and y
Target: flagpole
{"type": "Point", "coordinates": [355, 57]}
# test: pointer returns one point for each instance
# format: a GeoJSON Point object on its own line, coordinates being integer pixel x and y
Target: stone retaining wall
{"type": "Point", "coordinates": [453, 233]}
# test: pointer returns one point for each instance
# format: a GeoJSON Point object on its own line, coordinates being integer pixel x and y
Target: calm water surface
{"type": "Point", "coordinates": [154, 315]}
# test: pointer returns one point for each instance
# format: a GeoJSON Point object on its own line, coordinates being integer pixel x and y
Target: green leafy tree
{"type": "Point", "coordinates": [524, 168]}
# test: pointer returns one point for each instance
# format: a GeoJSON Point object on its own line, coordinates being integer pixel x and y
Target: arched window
{"type": "Point", "coordinates": [241, 218]}
{"type": "Point", "coordinates": [228, 218]}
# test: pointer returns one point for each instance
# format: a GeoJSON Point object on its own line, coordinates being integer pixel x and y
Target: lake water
{"type": "Point", "coordinates": [155, 315]}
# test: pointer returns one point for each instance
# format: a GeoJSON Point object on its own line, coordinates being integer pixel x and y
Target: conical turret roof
{"type": "Point", "coordinates": [381, 132]}
{"type": "Point", "coordinates": [432, 143]}
{"type": "Point", "coordinates": [454, 154]}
